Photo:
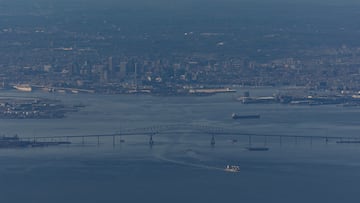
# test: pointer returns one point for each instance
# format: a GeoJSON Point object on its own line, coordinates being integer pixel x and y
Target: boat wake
{"type": "Point", "coordinates": [184, 163]}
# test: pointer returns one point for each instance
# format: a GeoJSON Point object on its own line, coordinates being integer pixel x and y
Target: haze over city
{"type": "Point", "coordinates": [179, 101]}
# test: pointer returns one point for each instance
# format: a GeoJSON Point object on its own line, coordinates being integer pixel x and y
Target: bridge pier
{"type": "Point", "coordinates": [121, 140]}
{"type": "Point", "coordinates": [265, 141]}
{"type": "Point", "coordinates": [212, 142]}
{"type": "Point", "coordinates": [151, 141]}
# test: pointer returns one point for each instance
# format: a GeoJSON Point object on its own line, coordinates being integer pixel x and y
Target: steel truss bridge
{"type": "Point", "coordinates": [181, 129]}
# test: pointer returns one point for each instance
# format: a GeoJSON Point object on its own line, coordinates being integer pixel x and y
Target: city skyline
{"type": "Point", "coordinates": [179, 101]}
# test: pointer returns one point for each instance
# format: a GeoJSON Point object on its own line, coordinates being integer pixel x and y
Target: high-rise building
{"type": "Point", "coordinates": [135, 76]}
{"type": "Point", "coordinates": [123, 66]}
{"type": "Point", "coordinates": [111, 65]}
{"type": "Point", "coordinates": [104, 76]}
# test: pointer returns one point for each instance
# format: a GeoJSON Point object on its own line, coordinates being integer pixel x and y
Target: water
{"type": "Point", "coordinates": [184, 167]}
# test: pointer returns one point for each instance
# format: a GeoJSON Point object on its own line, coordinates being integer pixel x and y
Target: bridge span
{"type": "Point", "coordinates": [198, 130]}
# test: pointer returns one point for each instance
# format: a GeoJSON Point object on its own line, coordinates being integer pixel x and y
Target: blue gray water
{"type": "Point", "coordinates": [183, 168]}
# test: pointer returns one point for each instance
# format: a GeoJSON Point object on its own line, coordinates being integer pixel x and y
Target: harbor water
{"type": "Point", "coordinates": [183, 167]}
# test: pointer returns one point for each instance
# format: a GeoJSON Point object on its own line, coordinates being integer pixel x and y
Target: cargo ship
{"type": "Point", "coordinates": [348, 142]}
{"type": "Point", "coordinates": [257, 148]}
{"type": "Point", "coordinates": [236, 116]}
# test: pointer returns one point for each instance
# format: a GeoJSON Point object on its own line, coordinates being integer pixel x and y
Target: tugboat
{"type": "Point", "coordinates": [233, 169]}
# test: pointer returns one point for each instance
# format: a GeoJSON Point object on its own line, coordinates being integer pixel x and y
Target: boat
{"type": "Point", "coordinates": [253, 116]}
{"type": "Point", "coordinates": [233, 169]}
{"type": "Point", "coordinates": [348, 142]}
{"type": "Point", "coordinates": [23, 88]}
{"type": "Point", "coordinates": [257, 148]}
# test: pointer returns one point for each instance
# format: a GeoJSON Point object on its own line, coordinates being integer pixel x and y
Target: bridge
{"type": "Point", "coordinates": [205, 130]}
